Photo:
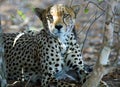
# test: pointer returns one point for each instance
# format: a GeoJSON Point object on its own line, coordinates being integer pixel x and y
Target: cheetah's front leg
{"type": "Point", "coordinates": [74, 62]}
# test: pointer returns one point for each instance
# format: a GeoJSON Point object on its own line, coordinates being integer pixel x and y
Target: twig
{"type": "Point", "coordinates": [89, 29]}
{"type": "Point", "coordinates": [17, 37]}
{"type": "Point", "coordinates": [27, 84]}
{"type": "Point", "coordinates": [89, 2]}
{"type": "Point", "coordinates": [13, 84]}
{"type": "Point", "coordinates": [71, 1]}
{"type": "Point", "coordinates": [86, 24]}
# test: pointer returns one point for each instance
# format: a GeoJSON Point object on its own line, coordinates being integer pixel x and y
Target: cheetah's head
{"type": "Point", "coordinates": [59, 19]}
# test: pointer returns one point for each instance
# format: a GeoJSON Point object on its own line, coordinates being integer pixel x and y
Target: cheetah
{"type": "Point", "coordinates": [50, 53]}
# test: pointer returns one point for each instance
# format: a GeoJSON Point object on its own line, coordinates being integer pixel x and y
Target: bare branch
{"type": "Point", "coordinates": [89, 29]}
{"type": "Point", "coordinates": [83, 27]}
{"type": "Point", "coordinates": [89, 2]}
{"type": "Point", "coordinates": [71, 1]}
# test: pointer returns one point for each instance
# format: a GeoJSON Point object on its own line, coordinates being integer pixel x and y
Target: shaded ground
{"type": "Point", "coordinates": [9, 15]}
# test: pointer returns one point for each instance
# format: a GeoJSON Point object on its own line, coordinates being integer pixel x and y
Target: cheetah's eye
{"type": "Point", "coordinates": [50, 16]}
{"type": "Point", "coordinates": [66, 15]}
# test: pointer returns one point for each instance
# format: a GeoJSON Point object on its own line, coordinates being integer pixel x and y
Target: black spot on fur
{"type": "Point", "coordinates": [68, 63]}
{"type": "Point", "coordinates": [50, 63]}
{"type": "Point", "coordinates": [56, 65]}
{"type": "Point", "coordinates": [72, 55]}
{"type": "Point", "coordinates": [80, 62]}
{"type": "Point", "coordinates": [50, 68]}
{"type": "Point", "coordinates": [52, 54]}
{"type": "Point", "coordinates": [75, 58]}
{"type": "Point", "coordinates": [74, 66]}
{"type": "Point", "coordinates": [57, 59]}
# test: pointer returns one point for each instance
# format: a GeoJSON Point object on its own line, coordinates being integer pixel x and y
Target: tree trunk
{"type": "Point", "coordinates": [3, 82]}
{"type": "Point", "coordinates": [101, 67]}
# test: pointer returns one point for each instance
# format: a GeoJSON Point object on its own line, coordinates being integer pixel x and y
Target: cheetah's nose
{"type": "Point", "coordinates": [58, 27]}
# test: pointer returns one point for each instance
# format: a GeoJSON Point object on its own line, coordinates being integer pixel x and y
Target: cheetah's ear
{"type": "Point", "coordinates": [39, 12]}
{"type": "Point", "coordinates": [76, 9]}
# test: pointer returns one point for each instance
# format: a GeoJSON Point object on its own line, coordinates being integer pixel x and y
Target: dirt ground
{"type": "Point", "coordinates": [11, 17]}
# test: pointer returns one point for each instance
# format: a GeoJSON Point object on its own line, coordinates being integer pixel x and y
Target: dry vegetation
{"type": "Point", "coordinates": [13, 22]}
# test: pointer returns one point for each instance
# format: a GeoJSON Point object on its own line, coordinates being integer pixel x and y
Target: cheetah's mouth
{"type": "Point", "coordinates": [58, 34]}
{"type": "Point", "coordinates": [62, 32]}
